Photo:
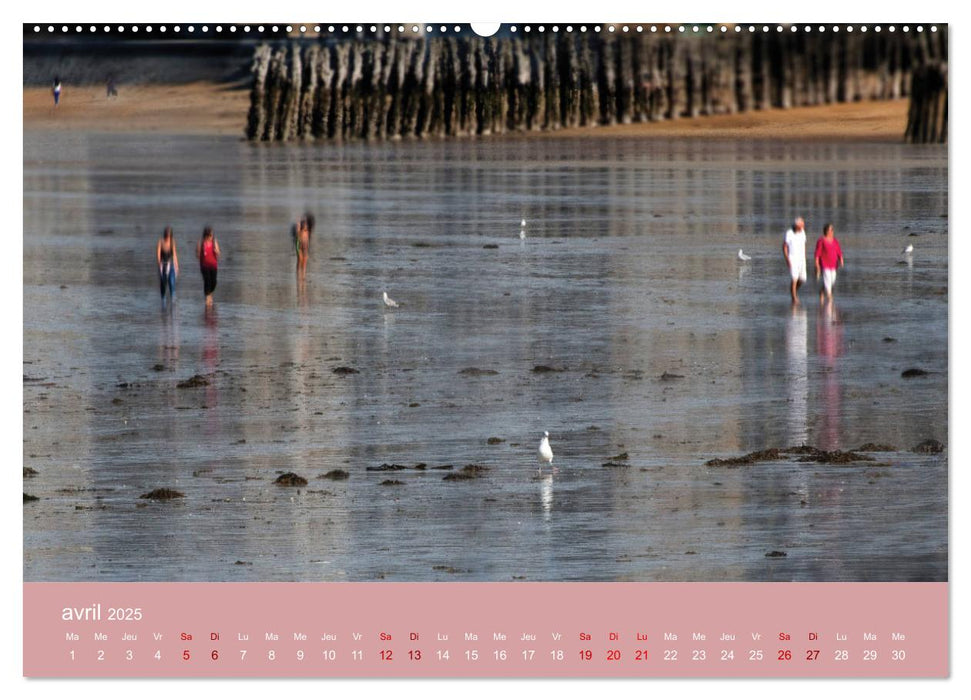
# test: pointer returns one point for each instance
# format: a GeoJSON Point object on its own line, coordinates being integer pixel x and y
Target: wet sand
{"type": "Point", "coordinates": [208, 108]}
{"type": "Point", "coordinates": [279, 437]}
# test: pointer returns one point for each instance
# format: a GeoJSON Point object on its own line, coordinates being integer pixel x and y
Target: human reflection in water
{"type": "Point", "coordinates": [797, 377]}
{"type": "Point", "coordinates": [829, 347]}
{"type": "Point", "coordinates": [169, 342]}
{"type": "Point", "coordinates": [210, 355]}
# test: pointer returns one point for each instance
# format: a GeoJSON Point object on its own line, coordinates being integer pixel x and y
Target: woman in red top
{"type": "Point", "coordinates": [828, 255]}
{"type": "Point", "coordinates": [207, 250]}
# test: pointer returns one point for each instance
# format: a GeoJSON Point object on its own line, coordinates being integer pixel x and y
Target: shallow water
{"type": "Point", "coordinates": [628, 274]}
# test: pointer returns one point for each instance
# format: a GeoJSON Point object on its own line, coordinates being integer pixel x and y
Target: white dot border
{"type": "Point", "coordinates": [446, 29]}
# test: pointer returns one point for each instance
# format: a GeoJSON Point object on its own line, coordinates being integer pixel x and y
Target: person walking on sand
{"type": "Point", "coordinates": [303, 247]}
{"type": "Point", "coordinates": [207, 250]}
{"type": "Point", "coordinates": [794, 251]}
{"type": "Point", "coordinates": [168, 263]}
{"type": "Point", "coordinates": [56, 90]}
{"type": "Point", "coordinates": [301, 240]}
{"type": "Point", "coordinates": [828, 254]}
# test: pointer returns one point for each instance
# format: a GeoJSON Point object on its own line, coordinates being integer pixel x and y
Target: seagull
{"type": "Point", "coordinates": [388, 301]}
{"type": "Point", "coordinates": [908, 250]}
{"type": "Point", "coordinates": [743, 257]}
{"type": "Point", "coordinates": [522, 224]}
{"type": "Point", "coordinates": [545, 451]}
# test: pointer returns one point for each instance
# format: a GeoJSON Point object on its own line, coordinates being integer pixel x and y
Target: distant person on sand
{"type": "Point", "coordinates": [168, 263]}
{"type": "Point", "coordinates": [794, 250]}
{"type": "Point", "coordinates": [301, 240]}
{"type": "Point", "coordinates": [56, 90]}
{"type": "Point", "coordinates": [110, 87]}
{"type": "Point", "coordinates": [207, 250]}
{"type": "Point", "coordinates": [828, 255]}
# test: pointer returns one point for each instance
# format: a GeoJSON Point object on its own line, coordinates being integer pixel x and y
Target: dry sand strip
{"type": "Point", "coordinates": [208, 108]}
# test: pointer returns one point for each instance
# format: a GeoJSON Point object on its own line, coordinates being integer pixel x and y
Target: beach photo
{"type": "Point", "coordinates": [311, 303]}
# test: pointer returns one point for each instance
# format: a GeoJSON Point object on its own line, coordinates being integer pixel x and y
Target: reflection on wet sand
{"type": "Point", "coordinates": [620, 324]}
{"type": "Point", "coordinates": [829, 346]}
{"type": "Point", "coordinates": [546, 495]}
{"type": "Point", "coordinates": [797, 367]}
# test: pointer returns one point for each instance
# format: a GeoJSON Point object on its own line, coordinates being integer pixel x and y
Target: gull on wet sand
{"type": "Point", "coordinates": [908, 250]}
{"type": "Point", "coordinates": [545, 452]}
{"type": "Point", "coordinates": [388, 301]}
{"type": "Point", "coordinates": [743, 257]}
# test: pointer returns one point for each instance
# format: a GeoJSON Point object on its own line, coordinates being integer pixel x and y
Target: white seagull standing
{"type": "Point", "coordinates": [522, 230]}
{"type": "Point", "coordinates": [908, 250]}
{"type": "Point", "coordinates": [743, 257]}
{"type": "Point", "coordinates": [388, 301]}
{"type": "Point", "coordinates": [545, 451]}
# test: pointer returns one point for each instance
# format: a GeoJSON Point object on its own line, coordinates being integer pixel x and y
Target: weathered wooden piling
{"type": "Point", "coordinates": [396, 86]}
{"type": "Point", "coordinates": [927, 116]}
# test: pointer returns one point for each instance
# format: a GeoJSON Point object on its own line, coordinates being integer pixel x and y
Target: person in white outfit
{"type": "Point", "coordinates": [794, 250]}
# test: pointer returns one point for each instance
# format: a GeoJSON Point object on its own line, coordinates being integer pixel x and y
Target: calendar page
{"type": "Point", "coordinates": [525, 350]}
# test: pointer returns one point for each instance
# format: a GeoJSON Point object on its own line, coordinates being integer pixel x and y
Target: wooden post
{"type": "Point", "coordinates": [256, 119]}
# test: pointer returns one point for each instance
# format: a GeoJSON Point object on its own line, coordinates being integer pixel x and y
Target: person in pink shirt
{"type": "Point", "coordinates": [207, 250]}
{"type": "Point", "coordinates": [828, 255]}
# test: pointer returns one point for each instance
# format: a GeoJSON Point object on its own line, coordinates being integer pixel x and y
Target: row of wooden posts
{"type": "Point", "coordinates": [392, 86]}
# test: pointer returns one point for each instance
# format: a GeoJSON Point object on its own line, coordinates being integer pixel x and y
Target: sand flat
{"type": "Point", "coordinates": [209, 108]}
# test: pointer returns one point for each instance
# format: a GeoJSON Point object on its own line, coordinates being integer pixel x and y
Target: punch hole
{"type": "Point", "coordinates": [485, 28]}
